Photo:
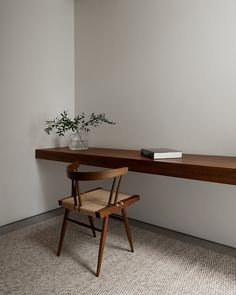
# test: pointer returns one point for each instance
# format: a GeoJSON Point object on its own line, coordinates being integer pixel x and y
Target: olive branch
{"type": "Point", "coordinates": [81, 122]}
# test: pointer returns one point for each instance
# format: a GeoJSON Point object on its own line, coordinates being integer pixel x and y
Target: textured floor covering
{"type": "Point", "coordinates": [159, 265]}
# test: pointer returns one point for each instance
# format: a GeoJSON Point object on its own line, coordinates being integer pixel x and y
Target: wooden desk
{"type": "Point", "coordinates": [199, 167]}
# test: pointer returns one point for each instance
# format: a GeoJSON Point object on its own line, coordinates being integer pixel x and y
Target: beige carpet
{"type": "Point", "coordinates": [159, 265]}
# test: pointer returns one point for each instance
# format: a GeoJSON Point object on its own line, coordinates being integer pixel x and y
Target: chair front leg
{"type": "Point", "coordinates": [127, 228]}
{"type": "Point", "coordinates": [63, 230]}
{"type": "Point", "coordinates": [92, 225]}
{"type": "Point", "coordinates": [102, 243]}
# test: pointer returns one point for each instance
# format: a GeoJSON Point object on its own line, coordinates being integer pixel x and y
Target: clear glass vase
{"type": "Point", "coordinates": [79, 141]}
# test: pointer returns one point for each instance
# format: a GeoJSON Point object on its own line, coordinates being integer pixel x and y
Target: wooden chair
{"type": "Point", "coordinates": [98, 203]}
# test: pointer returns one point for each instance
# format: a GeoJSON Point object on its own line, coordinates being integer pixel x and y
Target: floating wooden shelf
{"type": "Point", "coordinates": [219, 169]}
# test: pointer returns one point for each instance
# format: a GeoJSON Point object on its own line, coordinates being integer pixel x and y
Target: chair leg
{"type": "Point", "coordinates": [92, 225]}
{"type": "Point", "coordinates": [127, 228]}
{"type": "Point", "coordinates": [63, 230]}
{"type": "Point", "coordinates": [102, 243]}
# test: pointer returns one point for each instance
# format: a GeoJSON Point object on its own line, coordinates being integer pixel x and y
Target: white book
{"type": "Point", "coordinates": [161, 153]}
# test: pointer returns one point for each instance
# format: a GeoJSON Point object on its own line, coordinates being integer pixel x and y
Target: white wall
{"type": "Point", "coordinates": [165, 71]}
{"type": "Point", "coordinates": [36, 83]}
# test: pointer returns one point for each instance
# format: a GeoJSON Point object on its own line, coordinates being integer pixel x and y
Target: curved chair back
{"type": "Point", "coordinates": [76, 176]}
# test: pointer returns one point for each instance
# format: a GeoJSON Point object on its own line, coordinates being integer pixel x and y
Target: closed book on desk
{"type": "Point", "coordinates": [161, 153]}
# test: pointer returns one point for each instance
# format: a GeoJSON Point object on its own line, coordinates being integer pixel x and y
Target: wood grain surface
{"type": "Point", "coordinates": [221, 169]}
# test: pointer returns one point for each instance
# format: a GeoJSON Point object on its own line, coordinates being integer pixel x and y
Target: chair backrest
{"type": "Point", "coordinates": [76, 176]}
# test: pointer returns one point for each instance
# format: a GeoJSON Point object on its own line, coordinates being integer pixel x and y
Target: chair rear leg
{"type": "Point", "coordinates": [102, 243]}
{"type": "Point", "coordinates": [63, 230]}
{"type": "Point", "coordinates": [92, 225]}
{"type": "Point", "coordinates": [127, 228]}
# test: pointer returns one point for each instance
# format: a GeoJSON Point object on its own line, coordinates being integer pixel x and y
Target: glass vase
{"type": "Point", "coordinates": [79, 141]}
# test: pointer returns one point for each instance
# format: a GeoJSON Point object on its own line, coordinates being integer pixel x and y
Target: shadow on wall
{"type": "Point", "coordinates": [53, 182]}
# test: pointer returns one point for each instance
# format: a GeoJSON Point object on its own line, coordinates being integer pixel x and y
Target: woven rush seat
{"type": "Point", "coordinates": [92, 201]}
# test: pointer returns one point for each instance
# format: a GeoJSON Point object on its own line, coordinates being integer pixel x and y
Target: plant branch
{"type": "Point", "coordinates": [63, 123]}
